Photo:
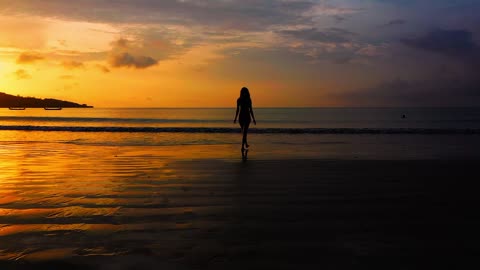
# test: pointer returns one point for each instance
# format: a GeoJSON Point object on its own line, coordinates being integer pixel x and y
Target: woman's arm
{"type": "Point", "coordinates": [236, 114]}
{"type": "Point", "coordinates": [253, 116]}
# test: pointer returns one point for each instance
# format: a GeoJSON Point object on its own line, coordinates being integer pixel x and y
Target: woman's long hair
{"type": "Point", "coordinates": [245, 95]}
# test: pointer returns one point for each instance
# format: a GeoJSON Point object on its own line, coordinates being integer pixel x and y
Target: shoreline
{"type": "Point", "coordinates": [103, 146]}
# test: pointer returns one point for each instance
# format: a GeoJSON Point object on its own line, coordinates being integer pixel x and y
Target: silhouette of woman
{"type": "Point", "coordinates": [244, 106]}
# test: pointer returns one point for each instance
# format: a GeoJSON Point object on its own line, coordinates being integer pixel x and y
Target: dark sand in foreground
{"type": "Point", "coordinates": [278, 214]}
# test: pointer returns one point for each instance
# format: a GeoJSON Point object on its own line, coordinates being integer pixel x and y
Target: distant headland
{"type": "Point", "coordinates": [11, 101]}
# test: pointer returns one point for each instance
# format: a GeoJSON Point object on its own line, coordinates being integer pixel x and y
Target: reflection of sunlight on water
{"type": "Point", "coordinates": [50, 254]}
{"type": "Point", "coordinates": [72, 199]}
{"type": "Point", "coordinates": [55, 199]}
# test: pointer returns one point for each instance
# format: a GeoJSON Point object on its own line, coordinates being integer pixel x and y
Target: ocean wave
{"type": "Point", "coordinates": [432, 131]}
{"type": "Point", "coordinates": [50, 119]}
{"type": "Point", "coordinates": [106, 119]}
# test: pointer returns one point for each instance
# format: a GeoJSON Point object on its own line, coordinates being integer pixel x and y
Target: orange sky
{"type": "Point", "coordinates": [74, 60]}
{"type": "Point", "coordinates": [199, 54]}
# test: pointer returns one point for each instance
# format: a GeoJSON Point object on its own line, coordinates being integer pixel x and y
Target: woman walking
{"type": "Point", "coordinates": [244, 110]}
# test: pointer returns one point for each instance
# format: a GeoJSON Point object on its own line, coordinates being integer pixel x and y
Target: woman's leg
{"type": "Point", "coordinates": [242, 125]}
{"type": "Point", "coordinates": [245, 131]}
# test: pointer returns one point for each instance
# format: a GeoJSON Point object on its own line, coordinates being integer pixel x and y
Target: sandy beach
{"type": "Point", "coordinates": [139, 210]}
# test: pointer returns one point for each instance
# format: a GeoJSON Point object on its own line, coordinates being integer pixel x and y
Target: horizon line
{"type": "Point", "coordinates": [283, 107]}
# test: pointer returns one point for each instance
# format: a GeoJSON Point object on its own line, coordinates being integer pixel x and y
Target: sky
{"type": "Point", "coordinates": [289, 53]}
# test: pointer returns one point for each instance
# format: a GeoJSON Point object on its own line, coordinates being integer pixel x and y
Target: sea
{"type": "Point", "coordinates": [325, 133]}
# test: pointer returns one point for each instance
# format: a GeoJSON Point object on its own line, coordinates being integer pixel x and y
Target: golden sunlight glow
{"type": "Point", "coordinates": [80, 36]}
{"type": "Point", "coordinates": [156, 66]}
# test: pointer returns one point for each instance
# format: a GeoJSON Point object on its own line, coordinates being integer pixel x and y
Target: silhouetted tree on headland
{"type": "Point", "coordinates": [7, 101]}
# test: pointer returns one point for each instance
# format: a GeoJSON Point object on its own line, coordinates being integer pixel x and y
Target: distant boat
{"type": "Point", "coordinates": [16, 108]}
{"type": "Point", "coordinates": [53, 108]}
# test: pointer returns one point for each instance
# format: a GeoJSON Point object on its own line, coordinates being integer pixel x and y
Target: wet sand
{"type": "Point", "coordinates": [141, 211]}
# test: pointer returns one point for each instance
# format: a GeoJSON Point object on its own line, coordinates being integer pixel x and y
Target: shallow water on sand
{"type": "Point", "coordinates": [58, 199]}
{"type": "Point", "coordinates": [145, 206]}
{"type": "Point", "coordinates": [201, 205]}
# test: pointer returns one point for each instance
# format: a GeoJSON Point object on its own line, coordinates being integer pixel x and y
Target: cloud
{"type": "Point", "coordinates": [121, 43]}
{"type": "Point", "coordinates": [322, 9]}
{"type": "Point", "coordinates": [339, 18]}
{"type": "Point", "coordinates": [373, 50]}
{"type": "Point", "coordinates": [29, 57]}
{"type": "Point", "coordinates": [71, 64]}
{"type": "Point", "coordinates": [121, 54]}
{"type": "Point", "coordinates": [62, 42]}
{"type": "Point", "coordinates": [395, 22]}
{"type": "Point", "coordinates": [103, 68]}
{"type": "Point", "coordinates": [21, 74]}
{"type": "Point", "coordinates": [334, 45]}
{"type": "Point", "coordinates": [447, 42]}
{"type": "Point", "coordinates": [162, 30]}
{"type": "Point", "coordinates": [233, 14]}
{"type": "Point", "coordinates": [127, 60]}
{"type": "Point", "coordinates": [421, 92]}
{"type": "Point", "coordinates": [330, 35]}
